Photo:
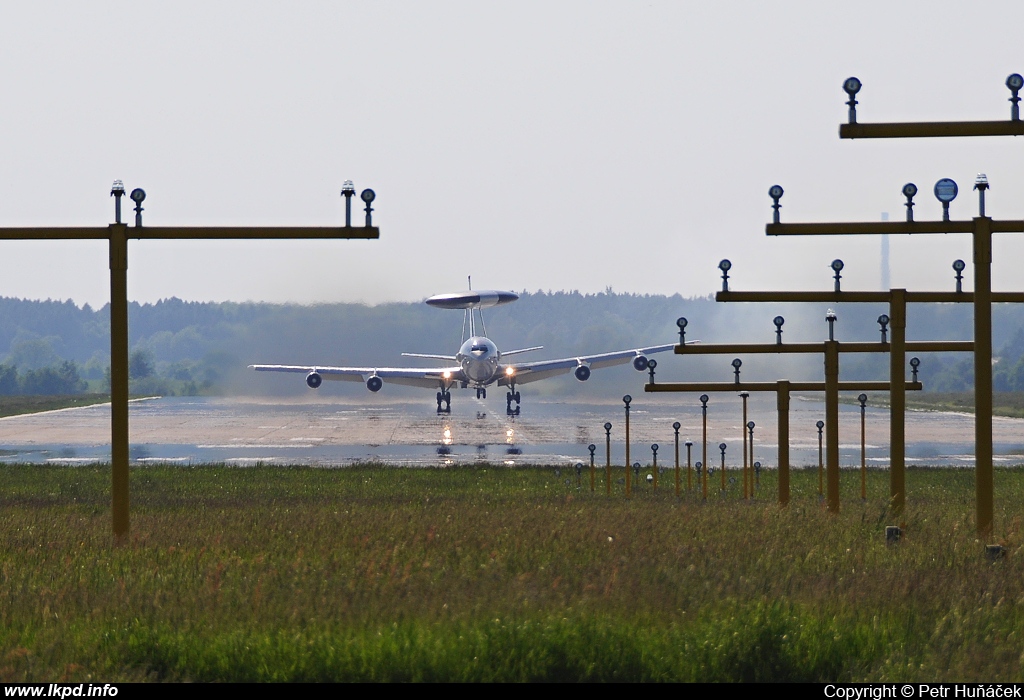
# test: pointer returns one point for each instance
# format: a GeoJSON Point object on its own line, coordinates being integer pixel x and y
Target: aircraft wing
{"type": "Point", "coordinates": [428, 377]}
{"type": "Point", "coordinates": [535, 371]}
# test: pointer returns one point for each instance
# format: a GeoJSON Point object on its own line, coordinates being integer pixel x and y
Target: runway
{"type": "Point", "coordinates": [335, 431]}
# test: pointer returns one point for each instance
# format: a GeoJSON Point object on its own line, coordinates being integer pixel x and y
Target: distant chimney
{"type": "Point", "coordinates": [886, 281]}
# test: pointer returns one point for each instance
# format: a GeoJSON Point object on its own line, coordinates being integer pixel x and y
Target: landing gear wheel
{"type": "Point", "coordinates": [510, 397]}
{"type": "Point", "coordinates": [440, 398]}
{"type": "Point", "coordinates": [481, 393]}
{"type": "Point", "coordinates": [447, 398]}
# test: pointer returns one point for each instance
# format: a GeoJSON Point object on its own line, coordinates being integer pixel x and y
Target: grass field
{"type": "Point", "coordinates": [494, 574]}
{"type": "Point", "coordinates": [19, 405]}
{"type": "Point", "coordinates": [1004, 403]}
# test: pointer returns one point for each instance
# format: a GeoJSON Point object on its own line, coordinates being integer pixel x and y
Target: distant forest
{"type": "Point", "coordinates": [180, 347]}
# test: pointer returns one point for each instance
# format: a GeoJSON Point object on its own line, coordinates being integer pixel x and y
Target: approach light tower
{"type": "Point", "coordinates": [117, 236]}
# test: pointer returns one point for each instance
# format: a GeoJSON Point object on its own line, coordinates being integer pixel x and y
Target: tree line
{"type": "Point", "coordinates": [180, 347]}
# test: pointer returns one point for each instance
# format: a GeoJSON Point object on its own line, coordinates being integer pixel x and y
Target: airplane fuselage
{"type": "Point", "coordinates": [479, 359]}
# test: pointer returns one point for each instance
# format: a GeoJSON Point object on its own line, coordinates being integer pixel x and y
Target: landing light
{"type": "Point", "coordinates": [446, 374]}
{"type": "Point", "coordinates": [509, 371]}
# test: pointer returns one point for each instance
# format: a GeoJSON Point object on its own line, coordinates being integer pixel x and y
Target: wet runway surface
{"type": "Point", "coordinates": [339, 431]}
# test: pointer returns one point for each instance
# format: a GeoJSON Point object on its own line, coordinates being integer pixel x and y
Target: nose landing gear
{"type": "Point", "coordinates": [444, 397]}
{"type": "Point", "coordinates": [481, 393]}
{"type": "Point", "coordinates": [510, 397]}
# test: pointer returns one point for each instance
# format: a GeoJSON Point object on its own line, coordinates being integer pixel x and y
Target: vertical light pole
{"type": "Point", "coordinates": [689, 484]}
{"type": "Point", "coordinates": [750, 428]}
{"type": "Point", "coordinates": [832, 412]}
{"type": "Point", "coordinates": [704, 444]}
{"type": "Point", "coordinates": [863, 398]}
{"type": "Point", "coordinates": [592, 448]}
{"type": "Point", "coordinates": [608, 456]}
{"type": "Point", "coordinates": [676, 426]}
{"type": "Point", "coordinates": [984, 482]}
{"type": "Point", "coordinates": [782, 403]}
{"type": "Point", "coordinates": [744, 395]}
{"type": "Point", "coordinates": [981, 228]}
{"type": "Point", "coordinates": [117, 235]}
{"type": "Point", "coordinates": [722, 447]}
{"type": "Point", "coordinates": [626, 400]}
{"type": "Point", "coordinates": [820, 425]}
{"type": "Point", "coordinates": [654, 459]}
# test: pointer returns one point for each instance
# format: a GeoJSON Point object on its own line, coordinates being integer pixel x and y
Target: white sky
{"type": "Point", "coordinates": [553, 145]}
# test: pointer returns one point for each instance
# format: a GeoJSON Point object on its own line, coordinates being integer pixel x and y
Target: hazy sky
{"type": "Point", "coordinates": [551, 145]}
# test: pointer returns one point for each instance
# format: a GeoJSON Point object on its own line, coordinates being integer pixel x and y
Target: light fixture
{"type": "Point", "coordinates": [725, 266]}
{"type": "Point", "coordinates": [837, 267]}
{"type": "Point", "coordinates": [910, 191]}
{"type": "Point", "coordinates": [981, 184]}
{"type": "Point", "coordinates": [852, 86]}
{"type": "Point", "coordinates": [959, 266]}
{"type": "Point", "coordinates": [775, 192]}
{"type": "Point", "coordinates": [945, 191]}
{"type": "Point", "coordinates": [778, 321]}
{"type": "Point", "coordinates": [1015, 82]}
{"type": "Point", "coordinates": [368, 196]}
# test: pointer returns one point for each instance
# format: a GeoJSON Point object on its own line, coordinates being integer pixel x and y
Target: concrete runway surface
{"type": "Point", "coordinates": [331, 430]}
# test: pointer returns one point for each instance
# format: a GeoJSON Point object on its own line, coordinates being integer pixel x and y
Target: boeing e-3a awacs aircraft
{"type": "Point", "coordinates": [478, 363]}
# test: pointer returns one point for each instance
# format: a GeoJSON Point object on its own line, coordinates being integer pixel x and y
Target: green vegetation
{"type": "Point", "coordinates": [18, 405]}
{"type": "Point", "coordinates": [181, 347]}
{"type": "Point", "coordinates": [489, 573]}
{"type": "Point", "coordinates": [1004, 403]}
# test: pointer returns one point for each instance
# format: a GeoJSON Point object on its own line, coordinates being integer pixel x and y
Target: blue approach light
{"type": "Point", "coordinates": [945, 191]}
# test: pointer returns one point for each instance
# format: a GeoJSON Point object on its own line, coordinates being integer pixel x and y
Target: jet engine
{"type": "Point", "coordinates": [640, 363]}
{"type": "Point", "coordinates": [314, 380]}
{"type": "Point", "coordinates": [582, 373]}
{"type": "Point", "coordinates": [374, 383]}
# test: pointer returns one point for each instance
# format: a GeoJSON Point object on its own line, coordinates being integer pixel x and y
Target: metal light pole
{"type": "Point", "coordinates": [117, 235]}
{"type": "Point", "coordinates": [744, 395]}
{"type": "Point", "coordinates": [981, 229]}
{"type": "Point", "coordinates": [750, 427]}
{"type": "Point", "coordinates": [608, 455]}
{"type": "Point", "coordinates": [689, 484]}
{"type": "Point", "coordinates": [675, 427]}
{"type": "Point", "coordinates": [654, 461]}
{"type": "Point", "coordinates": [592, 448]}
{"type": "Point", "coordinates": [820, 425]}
{"type": "Point", "coordinates": [722, 447]}
{"type": "Point", "coordinates": [863, 398]}
{"type": "Point", "coordinates": [704, 443]}
{"type": "Point", "coordinates": [626, 400]}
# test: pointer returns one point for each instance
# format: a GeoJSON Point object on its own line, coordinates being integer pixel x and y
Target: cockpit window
{"type": "Point", "coordinates": [478, 349]}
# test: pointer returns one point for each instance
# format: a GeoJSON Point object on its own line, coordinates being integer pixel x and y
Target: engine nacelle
{"type": "Point", "coordinates": [374, 384]}
{"type": "Point", "coordinates": [314, 380]}
{"type": "Point", "coordinates": [640, 363]}
{"type": "Point", "coordinates": [582, 373]}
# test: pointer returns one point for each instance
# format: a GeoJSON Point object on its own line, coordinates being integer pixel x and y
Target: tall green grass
{"type": "Point", "coordinates": [489, 573]}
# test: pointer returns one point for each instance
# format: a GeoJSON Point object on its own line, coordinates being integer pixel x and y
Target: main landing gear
{"type": "Point", "coordinates": [510, 397]}
{"type": "Point", "coordinates": [444, 396]}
